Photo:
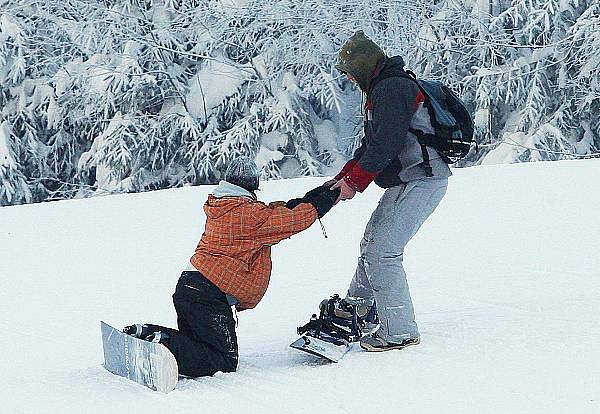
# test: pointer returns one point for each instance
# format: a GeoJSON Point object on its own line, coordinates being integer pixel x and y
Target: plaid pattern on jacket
{"type": "Point", "coordinates": [235, 250]}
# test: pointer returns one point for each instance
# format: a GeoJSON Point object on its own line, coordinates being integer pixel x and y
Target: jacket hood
{"type": "Point", "coordinates": [393, 66]}
{"type": "Point", "coordinates": [395, 62]}
{"type": "Point", "coordinates": [225, 197]}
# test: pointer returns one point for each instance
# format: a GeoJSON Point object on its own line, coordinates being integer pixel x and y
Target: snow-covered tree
{"type": "Point", "coordinates": [128, 95]}
{"type": "Point", "coordinates": [131, 95]}
{"type": "Point", "coordinates": [528, 68]}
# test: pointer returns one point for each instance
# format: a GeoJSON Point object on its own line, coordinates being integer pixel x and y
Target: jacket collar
{"type": "Point", "coordinates": [391, 63]}
{"type": "Point", "coordinates": [226, 189]}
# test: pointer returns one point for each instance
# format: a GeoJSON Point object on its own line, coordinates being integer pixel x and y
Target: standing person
{"type": "Point", "coordinates": [230, 267]}
{"type": "Point", "coordinates": [415, 176]}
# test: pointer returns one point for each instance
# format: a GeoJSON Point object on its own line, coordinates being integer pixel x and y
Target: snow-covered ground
{"type": "Point", "coordinates": [505, 277]}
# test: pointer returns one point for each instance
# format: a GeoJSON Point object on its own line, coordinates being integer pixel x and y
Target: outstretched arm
{"type": "Point", "coordinates": [283, 222]}
{"type": "Point", "coordinates": [297, 214]}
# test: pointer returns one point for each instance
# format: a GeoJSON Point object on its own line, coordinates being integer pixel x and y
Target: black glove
{"type": "Point", "coordinates": [315, 192]}
{"type": "Point", "coordinates": [294, 202]}
{"type": "Point", "coordinates": [322, 198]}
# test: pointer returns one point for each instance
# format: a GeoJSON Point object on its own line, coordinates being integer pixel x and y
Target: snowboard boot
{"type": "Point", "coordinates": [138, 330]}
{"type": "Point", "coordinates": [375, 343]}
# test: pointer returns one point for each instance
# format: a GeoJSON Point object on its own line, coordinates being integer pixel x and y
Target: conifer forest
{"type": "Point", "coordinates": [111, 96]}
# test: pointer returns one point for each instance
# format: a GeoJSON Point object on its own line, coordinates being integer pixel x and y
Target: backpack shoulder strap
{"type": "Point", "coordinates": [385, 73]}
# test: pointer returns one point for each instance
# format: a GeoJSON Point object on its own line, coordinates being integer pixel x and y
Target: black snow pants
{"type": "Point", "coordinates": [205, 341]}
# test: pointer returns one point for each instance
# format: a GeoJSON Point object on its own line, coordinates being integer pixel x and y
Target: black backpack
{"type": "Point", "coordinates": [450, 120]}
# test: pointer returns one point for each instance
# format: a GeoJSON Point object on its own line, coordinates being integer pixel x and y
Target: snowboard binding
{"type": "Point", "coordinates": [330, 326]}
{"type": "Point", "coordinates": [340, 323]}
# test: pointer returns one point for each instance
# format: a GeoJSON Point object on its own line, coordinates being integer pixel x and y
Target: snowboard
{"type": "Point", "coordinates": [332, 351]}
{"type": "Point", "coordinates": [330, 334]}
{"type": "Point", "coordinates": [147, 363]}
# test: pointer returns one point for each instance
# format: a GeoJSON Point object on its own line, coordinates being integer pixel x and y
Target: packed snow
{"type": "Point", "coordinates": [505, 278]}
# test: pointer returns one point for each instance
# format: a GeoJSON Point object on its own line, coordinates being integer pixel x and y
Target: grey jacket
{"type": "Point", "coordinates": [393, 106]}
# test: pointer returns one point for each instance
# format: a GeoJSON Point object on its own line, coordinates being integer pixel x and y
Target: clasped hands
{"type": "Point", "coordinates": [346, 192]}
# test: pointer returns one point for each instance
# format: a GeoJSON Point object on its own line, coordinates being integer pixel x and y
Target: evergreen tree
{"type": "Point", "coordinates": [528, 69]}
{"type": "Point", "coordinates": [111, 96]}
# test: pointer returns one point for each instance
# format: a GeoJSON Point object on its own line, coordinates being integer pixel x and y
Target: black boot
{"type": "Point", "coordinates": [158, 337]}
{"type": "Point", "coordinates": [138, 330]}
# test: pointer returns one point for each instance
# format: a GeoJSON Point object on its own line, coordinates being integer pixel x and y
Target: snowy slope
{"type": "Point", "coordinates": [505, 277]}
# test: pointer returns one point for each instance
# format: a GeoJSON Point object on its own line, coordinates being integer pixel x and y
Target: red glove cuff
{"type": "Point", "coordinates": [358, 178]}
{"type": "Point", "coordinates": [346, 168]}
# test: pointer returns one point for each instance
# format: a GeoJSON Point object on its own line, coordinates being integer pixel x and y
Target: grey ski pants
{"type": "Point", "coordinates": [380, 274]}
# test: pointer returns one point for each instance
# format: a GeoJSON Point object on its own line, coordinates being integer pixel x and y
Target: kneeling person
{"type": "Point", "coordinates": [230, 267]}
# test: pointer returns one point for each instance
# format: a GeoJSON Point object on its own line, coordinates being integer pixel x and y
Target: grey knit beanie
{"type": "Point", "coordinates": [243, 172]}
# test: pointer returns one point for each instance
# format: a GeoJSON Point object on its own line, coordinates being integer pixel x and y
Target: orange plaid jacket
{"type": "Point", "coordinates": [234, 252]}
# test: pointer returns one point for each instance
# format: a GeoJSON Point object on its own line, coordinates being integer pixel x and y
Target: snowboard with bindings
{"type": "Point", "coordinates": [321, 347]}
{"type": "Point", "coordinates": [147, 363]}
{"type": "Point", "coordinates": [340, 323]}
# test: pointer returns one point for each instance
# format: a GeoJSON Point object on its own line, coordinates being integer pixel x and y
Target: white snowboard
{"type": "Point", "coordinates": [147, 363]}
